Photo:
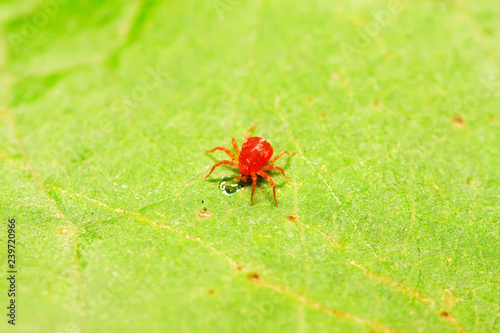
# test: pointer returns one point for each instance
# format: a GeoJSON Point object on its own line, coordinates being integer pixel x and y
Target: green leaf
{"type": "Point", "coordinates": [390, 221]}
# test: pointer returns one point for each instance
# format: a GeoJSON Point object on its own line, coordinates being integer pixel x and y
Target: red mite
{"type": "Point", "coordinates": [253, 160]}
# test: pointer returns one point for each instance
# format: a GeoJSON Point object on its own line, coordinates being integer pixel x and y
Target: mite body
{"type": "Point", "coordinates": [253, 160]}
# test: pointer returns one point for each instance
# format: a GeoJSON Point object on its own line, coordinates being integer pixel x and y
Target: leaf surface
{"type": "Point", "coordinates": [391, 221]}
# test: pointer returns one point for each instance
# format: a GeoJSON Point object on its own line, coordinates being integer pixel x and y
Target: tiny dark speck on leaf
{"type": "Point", "coordinates": [292, 218]}
{"type": "Point", "coordinates": [458, 121]}
{"type": "Point", "coordinates": [253, 277]}
{"type": "Point", "coordinates": [445, 314]}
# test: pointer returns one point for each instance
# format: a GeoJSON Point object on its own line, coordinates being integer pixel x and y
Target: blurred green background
{"type": "Point", "coordinates": [391, 221]}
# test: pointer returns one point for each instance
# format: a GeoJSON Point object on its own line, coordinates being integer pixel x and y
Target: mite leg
{"type": "Point", "coordinates": [227, 151]}
{"type": "Point", "coordinates": [276, 158]}
{"type": "Point", "coordinates": [235, 146]}
{"type": "Point", "coordinates": [247, 134]}
{"type": "Point", "coordinates": [265, 175]}
{"type": "Point", "coordinates": [254, 183]}
{"type": "Point", "coordinates": [269, 167]}
{"type": "Point", "coordinates": [220, 163]}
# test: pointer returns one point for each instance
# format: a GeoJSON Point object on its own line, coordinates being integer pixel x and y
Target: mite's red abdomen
{"type": "Point", "coordinates": [255, 152]}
